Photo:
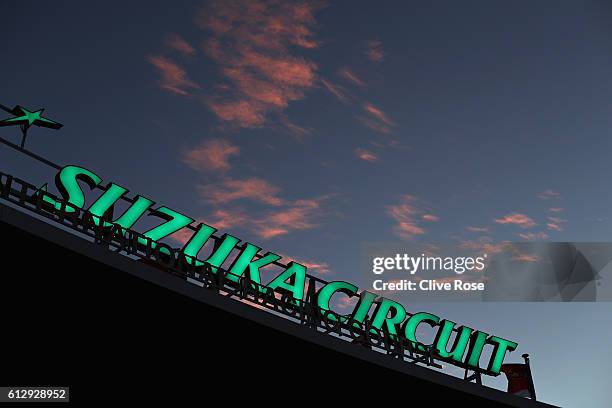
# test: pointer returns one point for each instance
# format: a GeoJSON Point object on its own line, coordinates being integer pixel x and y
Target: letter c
{"type": "Point", "coordinates": [326, 292]}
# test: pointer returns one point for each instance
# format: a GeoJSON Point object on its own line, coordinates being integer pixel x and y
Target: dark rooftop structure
{"type": "Point", "coordinates": [116, 329]}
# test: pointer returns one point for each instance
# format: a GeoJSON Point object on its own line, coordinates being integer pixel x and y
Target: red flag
{"type": "Point", "coordinates": [519, 379]}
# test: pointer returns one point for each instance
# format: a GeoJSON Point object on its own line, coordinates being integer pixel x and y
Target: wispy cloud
{"type": "Point", "coordinates": [376, 119]}
{"type": "Point", "coordinates": [212, 154]}
{"type": "Point", "coordinates": [221, 219]}
{"type": "Point", "coordinates": [549, 195]}
{"type": "Point", "coordinates": [346, 302]}
{"type": "Point", "coordinates": [182, 236]}
{"type": "Point", "coordinates": [375, 51]}
{"type": "Point", "coordinates": [351, 77]}
{"type": "Point", "coordinates": [298, 132]}
{"type": "Point", "coordinates": [407, 215]}
{"type": "Point", "coordinates": [177, 43]}
{"type": "Point", "coordinates": [319, 268]}
{"type": "Point", "coordinates": [298, 215]}
{"type": "Point", "coordinates": [250, 42]}
{"type": "Point", "coordinates": [224, 219]}
{"type": "Point", "coordinates": [392, 143]}
{"type": "Point", "coordinates": [555, 223]}
{"type": "Point", "coordinates": [477, 229]}
{"type": "Point", "coordinates": [337, 90]}
{"type": "Point", "coordinates": [431, 218]}
{"type": "Point", "coordinates": [484, 245]}
{"type": "Point", "coordinates": [525, 258]}
{"type": "Point", "coordinates": [366, 155]}
{"type": "Point", "coordinates": [293, 216]}
{"type": "Point", "coordinates": [229, 190]}
{"type": "Point", "coordinates": [555, 209]}
{"type": "Point", "coordinates": [173, 77]}
{"type": "Point", "coordinates": [241, 112]}
{"type": "Point", "coordinates": [520, 220]}
{"type": "Point", "coordinates": [377, 113]}
{"type": "Point", "coordinates": [534, 236]}
{"type": "Point", "coordinates": [280, 216]}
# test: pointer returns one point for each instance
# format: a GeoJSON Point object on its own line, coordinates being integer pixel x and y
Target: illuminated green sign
{"type": "Point", "coordinates": [460, 345]}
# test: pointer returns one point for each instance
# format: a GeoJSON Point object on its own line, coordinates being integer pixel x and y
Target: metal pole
{"type": "Point", "coordinates": [530, 379]}
{"type": "Point", "coordinates": [6, 108]}
{"type": "Point", "coordinates": [24, 131]}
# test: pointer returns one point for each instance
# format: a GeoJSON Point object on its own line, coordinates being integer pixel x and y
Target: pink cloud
{"type": "Point", "coordinates": [351, 77]}
{"type": "Point", "coordinates": [549, 194]}
{"type": "Point", "coordinates": [224, 219]}
{"type": "Point", "coordinates": [299, 132]}
{"type": "Point", "coordinates": [182, 236]}
{"type": "Point", "coordinates": [517, 219]}
{"type": "Point", "coordinates": [290, 216]}
{"type": "Point", "coordinates": [376, 119]}
{"type": "Point", "coordinates": [406, 215]}
{"type": "Point", "coordinates": [393, 143]}
{"type": "Point", "coordinates": [177, 43]}
{"type": "Point", "coordinates": [336, 90]}
{"type": "Point", "coordinates": [555, 209]}
{"type": "Point", "coordinates": [173, 78]}
{"type": "Point", "coordinates": [299, 215]}
{"type": "Point", "coordinates": [431, 218]}
{"type": "Point", "coordinates": [346, 302]}
{"type": "Point", "coordinates": [555, 223]}
{"type": "Point", "coordinates": [477, 229]}
{"type": "Point", "coordinates": [229, 190]}
{"type": "Point", "coordinates": [250, 42]}
{"type": "Point", "coordinates": [241, 112]}
{"type": "Point", "coordinates": [374, 51]}
{"type": "Point", "coordinates": [212, 154]}
{"type": "Point", "coordinates": [365, 155]}
{"type": "Point", "coordinates": [320, 268]}
{"type": "Point", "coordinates": [525, 258]}
{"type": "Point", "coordinates": [377, 113]}
{"type": "Point", "coordinates": [269, 232]}
{"type": "Point", "coordinates": [484, 245]}
{"type": "Point", "coordinates": [286, 217]}
{"type": "Point", "coordinates": [534, 236]}
{"type": "Point", "coordinates": [374, 125]}
{"type": "Point", "coordinates": [221, 219]}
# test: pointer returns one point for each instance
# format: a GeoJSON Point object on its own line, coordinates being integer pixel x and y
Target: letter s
{"type": "Point", "coordinates": [67, 183]}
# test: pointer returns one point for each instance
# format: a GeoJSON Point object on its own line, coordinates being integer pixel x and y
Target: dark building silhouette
{"type": "Point", "coordinates": [116, 331]}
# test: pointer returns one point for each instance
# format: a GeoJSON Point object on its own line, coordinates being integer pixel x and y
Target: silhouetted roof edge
{"type": "Point", "coordinates": [49, 232]}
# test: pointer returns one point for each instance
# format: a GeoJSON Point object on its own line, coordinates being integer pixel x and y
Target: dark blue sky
{"type": "Point", "coordinates": [309, 129]}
